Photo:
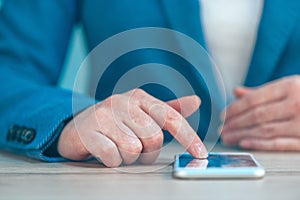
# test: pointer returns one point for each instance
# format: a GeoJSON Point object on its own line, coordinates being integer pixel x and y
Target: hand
{"type": "Point", "coordinates": [265, 118]}
{"type": "Point", "coordinates": [127, 127]}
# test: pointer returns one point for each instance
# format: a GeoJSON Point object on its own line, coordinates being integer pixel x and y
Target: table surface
{"type": "Point", "coordinates": [23, 178]}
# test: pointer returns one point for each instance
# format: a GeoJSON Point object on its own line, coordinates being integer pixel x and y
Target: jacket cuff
{"type": "Point", "coordinates": [47, 150]}
{"type": "Point", "coordinates": [46, 123]}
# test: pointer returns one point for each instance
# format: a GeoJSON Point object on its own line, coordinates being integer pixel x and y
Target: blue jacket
{"type": "Point", "coordinates": [34, 37]}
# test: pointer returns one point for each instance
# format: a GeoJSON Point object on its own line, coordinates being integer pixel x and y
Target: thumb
{"type": "Point", "coordinates": [242, 91]}
{"type": "Point", "coordinates": [185, 105]}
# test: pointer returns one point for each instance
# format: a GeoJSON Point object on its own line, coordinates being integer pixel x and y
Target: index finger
{"type": "Point", "coordinates": [267, 93]}
{"type": "Point", "coordinates": [171, 120]}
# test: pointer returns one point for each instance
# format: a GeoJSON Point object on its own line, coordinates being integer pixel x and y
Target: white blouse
{"type": "Point", "coordinates": [230, 30]}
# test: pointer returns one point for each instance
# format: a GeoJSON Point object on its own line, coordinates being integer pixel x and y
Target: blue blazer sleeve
{"type": "Point", "coordinates": [34, 37]}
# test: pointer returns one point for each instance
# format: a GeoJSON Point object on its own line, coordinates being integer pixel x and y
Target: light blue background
{"type": "Point", "coordinates": [76, 54]}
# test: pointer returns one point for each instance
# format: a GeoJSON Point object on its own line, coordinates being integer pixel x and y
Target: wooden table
{"type": "Point", "coordinates": [22, 178]}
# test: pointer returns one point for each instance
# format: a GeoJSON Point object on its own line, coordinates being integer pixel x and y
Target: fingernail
{"type": "Point", "coordinates": [200, 150]}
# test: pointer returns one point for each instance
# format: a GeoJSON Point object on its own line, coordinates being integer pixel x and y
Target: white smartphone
{"type": "Point", "coordinates": [217, 165]}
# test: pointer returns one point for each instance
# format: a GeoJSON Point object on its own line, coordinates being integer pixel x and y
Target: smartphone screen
{"type": "Point", "coordinates": [217, 161]}
{"type": "Point", "coordinates": [218, 165]}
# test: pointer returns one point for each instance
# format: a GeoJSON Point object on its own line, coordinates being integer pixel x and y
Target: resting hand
{"type": "Point", "coordinates": [265, 118]}
{"type": "Point", "coordinates": [126, 128]}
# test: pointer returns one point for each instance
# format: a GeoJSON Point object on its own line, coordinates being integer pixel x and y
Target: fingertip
{"type": "Point", "coordinates": [240, 91]}
{"type": "Point", "coordinates": [200, 151]}
{"type": "Point", "coordinates": [112, 163]}
{"type": "Point", "coordinates": [245, 144]}
{"type": "Point", "coordinates": [197, 100]}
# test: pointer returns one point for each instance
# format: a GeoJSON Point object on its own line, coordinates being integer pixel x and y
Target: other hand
{"type": "Point", "coordinates": [265, 118]}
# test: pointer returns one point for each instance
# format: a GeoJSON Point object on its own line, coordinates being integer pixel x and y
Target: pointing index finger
{"type": "Point", "coordinates": [171, 120]}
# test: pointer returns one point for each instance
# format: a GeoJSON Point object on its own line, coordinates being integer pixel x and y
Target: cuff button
{"type": "Point", "coordinates": [28, 136]}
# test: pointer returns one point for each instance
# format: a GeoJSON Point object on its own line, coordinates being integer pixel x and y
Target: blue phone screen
{"type": "Point", "coordinates": [216, 161]}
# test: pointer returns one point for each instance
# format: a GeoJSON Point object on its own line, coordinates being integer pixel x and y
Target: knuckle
{"type": "Point", "coordinates": [107, 102]}
{"type": "Point", "coordinates": [101, 112]}
{"type": "Point", "coordinates": [108, 156]}
{"type": "Point", "coordinates": [289, 109]}
{"type": "Point", "coordinates": [256, 115]}
{"type": "Point", "coordinates": [296, 106]}
{"type": "Point", "coordinates": [277, 145]}
{"type": "Point", "coordinates": [146, 122]}
{"type": "Point", "coordinates": [293, 83]}
{"type": "Point", "coordinates": [157, 140]}
{"type": "Point", "coordinates": [137, 95]}
{"type": "Point", "coordinates": [173, 121]}
{"type": "Point", "coordinates": [109, 150]}
{"type": "Point", "coordinates": [81, 150]}
{"type": "Point", "coordinates": [142, 122]}
{"type": "Point", "coordinates": [139, 92]}
{"type": "Point", "coordinates": [173, 116]}
{"type": "Point", "coordinates": [133, 146]}
{"type": "Point", "coordinates": [104, 115]}
{"type": "Point", "coordinates": [267, 131]}
{"type": "Point", "coordinates": [137, 148]}
{"type": "Point", "coordinates": [249, 102]}
{"type": "Point", "coordinates": [296, 79]}
{"type": "Point", "coordinates": [297, 145]}
{"type": "Point", "coordinates": [111, 101]}
{"type": "Point", "coordinates": [113, 164]}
